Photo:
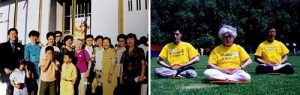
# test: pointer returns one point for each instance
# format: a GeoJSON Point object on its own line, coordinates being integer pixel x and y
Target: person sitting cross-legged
{"type": "Point", "coordinates": [227, 61]}
{"type": "Point", "coordinates": [180, 55]}
{"type": "Point", "coordinates": [272, 56]}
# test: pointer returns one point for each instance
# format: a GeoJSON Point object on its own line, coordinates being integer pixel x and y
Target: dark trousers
{"type": "Point", "coordinates": [10, 89]}
{"type": "Point", "coordinates": [287, 69]}
{"type": "Point", "coordinates": [47, 86]}
{"type": "Point", "coordinates": [132, 88]}
{"type": "Point", "coordinates": [119, 89]}
{"type": "Point", "coordinates": [99, 90]}
{"type": "Point", "coordinates": [57, 83]}
{"type": "Point", "coordinates": [32, 87]}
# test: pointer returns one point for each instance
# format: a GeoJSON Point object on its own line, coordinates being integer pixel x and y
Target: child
{"type": "Point", "coordinates": [17, 79]}
{"type": "Point", "coordinates": [68, 75]}
{"type": "Point", "coordinates": [49, 65]}
{"type": "Point", "coordinates": [31, 81]}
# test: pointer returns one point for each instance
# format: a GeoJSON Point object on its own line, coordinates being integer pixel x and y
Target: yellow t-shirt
{"type": "Point", "coordinates": [178, 54]}
{"type": "Point", "coordinates": [271, 52]}
{"type": "Point", "coordinates": [228, 57]}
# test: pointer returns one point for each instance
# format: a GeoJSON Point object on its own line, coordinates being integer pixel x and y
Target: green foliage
{"type": "Point", "coordinates": [159, 37]}
{"type": "Point", "coordinates": [200, 20]}
{"type": "Point", "coordinates": [204, 40]}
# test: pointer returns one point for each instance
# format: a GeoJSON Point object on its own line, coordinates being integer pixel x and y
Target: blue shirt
{"type": "Point", "coordinates": [32, 53]}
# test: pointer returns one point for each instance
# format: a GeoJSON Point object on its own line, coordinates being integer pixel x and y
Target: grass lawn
{"type": "Point", "coordinates": [259, 85]}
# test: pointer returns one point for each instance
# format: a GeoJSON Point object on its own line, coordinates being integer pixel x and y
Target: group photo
{"type": "Point", "coordinates": [73, 47]}
{"type": "Point", "coordinates": [225, 47]}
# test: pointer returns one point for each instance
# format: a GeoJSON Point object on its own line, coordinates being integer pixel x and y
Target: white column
{"type": "Point", "coordinates": [21, 20]}
{"type": "Point", "coordinates": [59, 10]}
{"type": "Point", "coordinates": [52, 16]}
{"type": "Point", "coordinates": [32, 18]}
{"type": "Point", "coordinates": [45, 20]}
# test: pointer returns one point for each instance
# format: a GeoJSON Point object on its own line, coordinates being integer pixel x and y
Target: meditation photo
{"type": "Point", "coordinates": [225, 47]}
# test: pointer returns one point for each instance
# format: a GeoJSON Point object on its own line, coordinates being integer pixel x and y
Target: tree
{"type": "Point", "coordinates": [200, 20]}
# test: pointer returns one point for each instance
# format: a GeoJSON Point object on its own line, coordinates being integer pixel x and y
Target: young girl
{"type": "Point", "coordinates": [17, 79]}
{"type": "Point", "coordinates": [68, 75]}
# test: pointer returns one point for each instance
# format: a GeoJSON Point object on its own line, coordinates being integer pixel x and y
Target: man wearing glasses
{"type": "Point", "coordinates": [58, 37]}
{"type": "Point", "coordinates": [180, 56]}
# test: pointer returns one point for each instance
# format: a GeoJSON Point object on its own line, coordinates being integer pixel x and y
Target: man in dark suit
{"type": "Point", "coordinates": [11, 51]}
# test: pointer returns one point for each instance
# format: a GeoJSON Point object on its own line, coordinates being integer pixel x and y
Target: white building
{"type": "Point", "coordinates": [104, 17]}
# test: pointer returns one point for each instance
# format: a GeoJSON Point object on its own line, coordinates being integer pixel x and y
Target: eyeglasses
{"type": "Point", "coordinates": [176, 34]}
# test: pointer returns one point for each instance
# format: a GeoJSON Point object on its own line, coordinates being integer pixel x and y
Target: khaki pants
{"type": "Point", "coordinates": [82, 84]}
{"type": "Point", "coordinates": [144, 89]}
{"type": "Point", "coordinates": [47, 85]}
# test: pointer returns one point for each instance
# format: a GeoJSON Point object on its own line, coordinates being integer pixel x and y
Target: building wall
{"type": "Point", "coordinates": [26, 20]}
{"type": "Point", "coordinates": [32, 18]}
{"type": "Point", "coordinates": [21, 20]}
{"type": "Point", "coordinates": [6, 18]}
{"type": "Point", "coordinates": [104, 18]}
{"type": "Point", "coordinates": [136, 21]}
{"type": "Point", "coordinates": [45, 20]}
{"type": "Point", "coordinates": [59, 10]}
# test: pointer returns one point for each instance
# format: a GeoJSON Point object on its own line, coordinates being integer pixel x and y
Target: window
{"type": "Point", "coordinates": [146, 4]}
{"type": "Point", "coordinates": [138, 5]}
{"type": "Point", "coordinates": [129, 5]}
{"type": "Point", "coordinates": [83, 14]}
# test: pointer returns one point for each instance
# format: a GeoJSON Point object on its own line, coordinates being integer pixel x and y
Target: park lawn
{"type": "Point", "coordinates": [259, 85]}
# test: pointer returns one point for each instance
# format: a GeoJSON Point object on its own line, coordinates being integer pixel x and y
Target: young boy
{"type": "Point", "coordinates": [17, 79]}
{"type": "Point", "coordinates": [49, 65]}
{"type": "Point", "coordinates": [68, 75]}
